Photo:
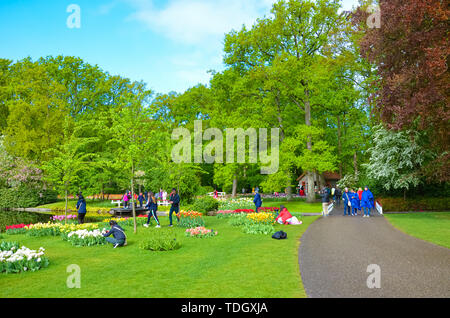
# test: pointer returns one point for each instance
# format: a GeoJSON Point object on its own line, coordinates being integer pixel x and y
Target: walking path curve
{"type": "Point", "coordinates": [335, 253]}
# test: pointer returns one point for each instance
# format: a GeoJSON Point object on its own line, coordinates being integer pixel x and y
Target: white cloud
{"type": "Point", "coordinates": [198, 21]}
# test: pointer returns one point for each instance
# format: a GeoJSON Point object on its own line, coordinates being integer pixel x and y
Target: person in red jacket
{"type": "Point", "coordinates": [283, 216]}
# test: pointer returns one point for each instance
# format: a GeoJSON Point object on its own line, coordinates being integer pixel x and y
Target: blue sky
{"type": "Point", "coordinates": [169, 44]}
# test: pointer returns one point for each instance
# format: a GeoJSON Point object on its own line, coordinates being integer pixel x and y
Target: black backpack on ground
{"type": "Point", "coordinates": [280, 235]}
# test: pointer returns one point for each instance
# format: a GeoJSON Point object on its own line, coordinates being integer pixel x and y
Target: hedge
{"type": "Point", "coordinates": [414, 204]}
{"type": "Point", "coordinates": [24, 197]}
{"type": "Point", "coordinates": [11, 218]}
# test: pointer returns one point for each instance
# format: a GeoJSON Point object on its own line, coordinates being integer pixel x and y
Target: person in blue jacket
{"type": "Point", "coordinates": [81, 207]}
{"type": "Point", "coordinates": [174, 199]}
{"type": "Point", "coordinates": [257, 200]}
{"type": "Point", "coordinates": [141, 200]}
{"type": "Point", "coordinates": [367, 201]}
{"type": "Point", "coordinates": [354, 198]}
{"type": "Point", "coordinates": [347, 198]}
{"type": "Point", "coordinates": [152, 206]}
{"type": "Point", "coordinates": [119, 237]}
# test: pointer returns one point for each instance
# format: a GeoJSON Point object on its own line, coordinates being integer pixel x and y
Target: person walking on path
{"type": "Point", "coordinates": [367, 201]}
{"type": "Point", "coordinates": [347, 202]}
{"type": "Point", "coordinates": [81, 207]}
{"type": "Point", "coordinates": [338, 195]}
{"type": "Point", "coordinates": [152, 206]}
{"type": "Point", "coordinates": [174, 199]}
{"type": "Point", "coordinates": [354, 198]}
{"type": "Point", "coordinates": [325, 201]}
{"type": "Point", "coordinates": [360, 191]}
{"type": "Point", "coordinates": [119, 237]}
{"type": "Point", "coordinates": [257, 200]}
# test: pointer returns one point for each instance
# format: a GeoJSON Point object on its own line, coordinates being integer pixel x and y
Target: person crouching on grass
{"type": "Point", "coordinates": [119, 237]}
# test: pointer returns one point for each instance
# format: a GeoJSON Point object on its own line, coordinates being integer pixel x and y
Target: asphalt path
{"type": "Point", "coordinates": [339, 255]}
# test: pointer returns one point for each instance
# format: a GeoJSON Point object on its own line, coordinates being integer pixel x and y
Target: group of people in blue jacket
{"type": "Point", "coordinates": [354, 202]}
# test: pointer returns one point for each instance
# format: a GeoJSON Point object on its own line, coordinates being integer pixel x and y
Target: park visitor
{"type": "Point", "coordinates": [140, 199]}
{"type": "Point", "coordinates": [119, 237]}
{"type": "Point", "coordinates": [257, 200]}
{"type": "Point", "coordinates": [367, 201]}
{"type": "Point", "coordinates": [286, 218]}
{"type": "Point", "coordinates": [81, 207]}
{"type": "Point", "coordinates": [347, 202]}
{"type": "Point", "coordinates": [152, 206]}
{"type": "Point", "coordinates": [338, 196]}
{"type": "Point", "coordinates": [125, 200]}
{"type": "Point", "coordinates": [325, 194]}
{"type": "Point", "coordinates": [360, 191]}
{"type": "Point", "coordinates": [174, 199]}
{"type": "Point", "coordinates": [354, 198]}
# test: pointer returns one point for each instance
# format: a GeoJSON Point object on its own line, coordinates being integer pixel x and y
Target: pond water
{"type": "Point", "coordinates": [14, 217]}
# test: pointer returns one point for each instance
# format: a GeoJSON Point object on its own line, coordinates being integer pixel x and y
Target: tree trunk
{"type": "Point", "coordinates": [311, 196]}
{"type": "Point", "coordinates": [235, 183]}
{"type": "Point", "coordinates": [339, 144]}
{"type": "Point", "coordinates": [355, 163]}
{"type": "Point", "coordinates": [65, 210]}
{"type": "Point", "coordinates": [132, 198]}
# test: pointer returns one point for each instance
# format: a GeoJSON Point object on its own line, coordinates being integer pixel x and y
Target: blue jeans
{"type": "Point", "coordinates": [355, 211]}
{"type": "Point", "coordinates": [366, 211]}
{"type": "Point", "coordinates": [173, 209]}
{"type": "Point", "coordinates": [346, 208]}
{"type": "Point", "coordinates": [113, 241]}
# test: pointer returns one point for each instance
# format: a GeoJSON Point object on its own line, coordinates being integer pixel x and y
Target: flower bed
{"type": "Point", "coordinates": [126, 221]}
{"type": "Point", "coordinates": [15, 260]}
{"type": "Point", "coordinates": [232, 204]}
{"type": "Point", "coordinates": [55, 229]}
{"type": "Point", "coordinates": [61, 218]}
{"type": "Point", "coordinates": [16, 229]}
{"type": "Point", "coordinates": [85, 237]}
{"type": "Point", "coordinates": [262, 217]}
{"type": "Point", "coordinates": [200, 232]}
{"type": "Point", "coordinates": [190, 219]}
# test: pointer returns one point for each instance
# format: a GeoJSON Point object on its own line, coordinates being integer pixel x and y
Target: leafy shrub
{"type": "Point", "coordinates": [25, 197]}
{"type": "Point", "coordinates": [161, 241]}
{"type": "Point", "coordinates": [258, 228]}
{"type": "Point", "coordinates": [206, 204]}
{"type": "Point", "coordinates": [415, 204]}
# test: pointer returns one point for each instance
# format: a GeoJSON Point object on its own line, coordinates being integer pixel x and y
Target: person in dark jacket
{"type": "Point", "coordinates": [338, 195]}
{"type": "Point", "coordinates": [257, 200]}
{"type": "Point", "coordinates": [174, 199]}
{"type": "Point", "coordinates": [81, 207]}
{"type": "Point", "coordinates": [141, 200]}
{"type": "Point", "coordinates": [152, 206]}
{"type": "Point", "coordinates": [325, 194]}
{"type": "Point", "coordinates": [119, 237]}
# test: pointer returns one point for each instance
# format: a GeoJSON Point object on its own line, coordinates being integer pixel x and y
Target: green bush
{"type": "Point", "coordinates": [25, 197]}
{"type": "Point", "coordinates": [415, 204]}
{"type": "Point", "coordinates": [205, 204]}
{"type": "Point", "coordinates": [161, 241]}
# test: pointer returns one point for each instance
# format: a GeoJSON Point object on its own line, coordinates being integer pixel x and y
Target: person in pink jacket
{"type": "Point", "coordinates": [125, 200]}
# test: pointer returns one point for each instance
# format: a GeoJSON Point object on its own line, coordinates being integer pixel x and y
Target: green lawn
{"type": "Point", "coordinates": [230, 265]}
{"type": "Point", "coordinates": [297, 206]}
{"type": "Point", "coordinates": [433, 227]}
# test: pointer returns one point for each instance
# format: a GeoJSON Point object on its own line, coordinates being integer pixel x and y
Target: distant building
{"type": "Point", "coordinates": [320, 180]}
